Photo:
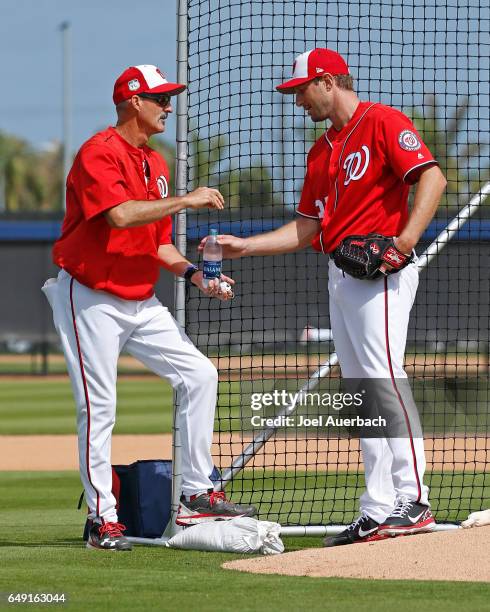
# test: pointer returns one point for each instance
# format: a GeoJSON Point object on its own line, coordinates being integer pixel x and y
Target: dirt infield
{"type": "Point", "coordinates": [59, 452]}
{"type": "Point", "coordinates": [459, 555]}
{"type": "Point", "coordinates": [296, 365]}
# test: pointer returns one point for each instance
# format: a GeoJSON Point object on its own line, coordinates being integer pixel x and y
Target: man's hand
{"type": "Point", "coordinates": [430, 187]}
{"type": "Point", "coordinates": [289, 238]}
{"type": "Point", "coordinates": [204, 197]}
{"type": "Point", "coordinates": [232, 246]}
{"type": "Point", "coordinates": [213, 289]}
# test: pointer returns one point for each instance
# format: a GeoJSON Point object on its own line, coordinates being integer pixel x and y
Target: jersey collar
{"type": "Point", "coordinates": [331, 135]}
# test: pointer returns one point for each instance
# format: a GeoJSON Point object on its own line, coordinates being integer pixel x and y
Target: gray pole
{"type": "Point", "coordinates": [180, 243]}
{"type": "Point", "coordinates": [66, 138]}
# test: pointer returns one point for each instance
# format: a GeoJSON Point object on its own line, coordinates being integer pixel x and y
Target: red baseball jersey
{"type": "Point", "coordinates": [357, 179]}
{"type": "Point", "coordinates": [108, 171]}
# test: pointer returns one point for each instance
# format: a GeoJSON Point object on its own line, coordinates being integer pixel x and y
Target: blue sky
{"type": "Point", "coordinates": [107, 36]}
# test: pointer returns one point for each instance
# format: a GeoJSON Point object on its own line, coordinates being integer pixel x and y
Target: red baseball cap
{"type": "Point", "coordinates": [312, 64]}
{"type": "Point", "coordinates": [143, 79]}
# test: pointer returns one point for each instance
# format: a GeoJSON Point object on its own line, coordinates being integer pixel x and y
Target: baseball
{"type": "Point", "coordinates": [225, 287]}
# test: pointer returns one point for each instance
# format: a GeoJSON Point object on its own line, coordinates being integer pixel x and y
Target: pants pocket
{"type": "Point", "coordinates": [49, 289]}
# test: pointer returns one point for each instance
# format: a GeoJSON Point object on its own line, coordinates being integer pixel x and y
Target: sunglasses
{"type": "Point", "coordinates": [160, 99]}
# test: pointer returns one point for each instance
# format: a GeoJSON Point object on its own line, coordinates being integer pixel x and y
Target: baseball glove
{"type": "Point", "coordinates": [364, 257]}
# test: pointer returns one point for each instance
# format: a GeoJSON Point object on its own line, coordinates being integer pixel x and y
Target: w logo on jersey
{"type": "Point", "coordinates": [162, 186]}
{"type": "Point", "coordinates": [356, 164]}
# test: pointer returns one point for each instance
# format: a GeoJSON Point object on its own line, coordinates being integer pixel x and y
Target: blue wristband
{"type": "Point", "coordinates": [189, 272]}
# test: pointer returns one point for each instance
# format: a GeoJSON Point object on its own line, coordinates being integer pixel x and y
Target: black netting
{"type": "Point", "coordinates": [429, 58]}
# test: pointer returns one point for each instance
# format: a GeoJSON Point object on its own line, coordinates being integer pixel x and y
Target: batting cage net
{"type": "Point", "coordinates": [429, 59]}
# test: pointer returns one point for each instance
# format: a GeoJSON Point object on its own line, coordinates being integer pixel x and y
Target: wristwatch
{"type": "Point", "coordinates": [189, 272]}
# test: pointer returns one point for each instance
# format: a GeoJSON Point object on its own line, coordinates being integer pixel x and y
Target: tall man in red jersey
{"type": "Point", "coordinates": [116, 236]}
{"type": "Point", "coordinates": [357, 181]}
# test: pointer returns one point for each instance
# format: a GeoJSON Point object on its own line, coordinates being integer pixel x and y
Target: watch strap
{"type": "Point", "coordinates": [189, 272]}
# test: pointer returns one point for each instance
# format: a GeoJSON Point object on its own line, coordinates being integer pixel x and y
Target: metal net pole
{"type": "Point", "coordinates": [181, 244]}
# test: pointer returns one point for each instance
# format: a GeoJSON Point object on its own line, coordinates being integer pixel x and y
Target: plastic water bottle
{"type": "Point", "coordinates": [212, 258]}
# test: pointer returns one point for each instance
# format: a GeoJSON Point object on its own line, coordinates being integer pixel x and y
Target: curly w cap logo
{"type": "Point", "coordinates": [356, 164]}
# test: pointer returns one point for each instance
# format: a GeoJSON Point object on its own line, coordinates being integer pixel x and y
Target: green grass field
{"type": "Point", "coordinates": [41, 551]}
{"type": "Point", "coordinates": [42, 405]}
{"type": "Point", "coordinates": [41, 548]}
{"type": "Point", "coordinates": [46, 406]}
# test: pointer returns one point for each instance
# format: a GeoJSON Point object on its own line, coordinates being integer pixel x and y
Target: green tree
{"type": "Point", "coordinates": [456, 158]}
{"type": "Point", "coordinates": [30, 180]}
{"type": "Point", "coordinates": [248, 191]}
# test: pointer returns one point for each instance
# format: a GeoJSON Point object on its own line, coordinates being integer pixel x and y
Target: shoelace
{"type": "Point", "coordinates": [402, 508]}
{"type": "Point", "coordinates": [113, 529]}
{"type": "Point", "coordinates": [357, 522]}
{"type": "Point", "coordinates": [216, 496]}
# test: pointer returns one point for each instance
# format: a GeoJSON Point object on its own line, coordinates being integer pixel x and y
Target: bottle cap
{"type": "Point", "coordinates": [213, 231]}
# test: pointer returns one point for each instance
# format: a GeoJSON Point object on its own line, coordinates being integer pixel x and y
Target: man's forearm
{"type": "Point", "coordinates": [133, 212]}
{"type": "Point", "coordinates": [286, 239]}
{"type": "Point", "coordinates": [428, 193]}
{"type": "Point", "coordinates": [172, 259]}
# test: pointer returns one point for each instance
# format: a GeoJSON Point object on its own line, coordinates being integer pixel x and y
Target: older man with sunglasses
{"type": "Point", "coordinates": [116, 236]}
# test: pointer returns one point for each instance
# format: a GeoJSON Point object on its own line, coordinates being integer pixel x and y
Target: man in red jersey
{"type": "Point", "coordinates": [116, 236]}
{"type": "Point", "coordinates": [357, 182]}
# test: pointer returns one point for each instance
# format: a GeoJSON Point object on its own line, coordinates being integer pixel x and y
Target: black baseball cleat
{"type": "Point", "coordinates": [108, 537]}
{"type": "Point", "coordinates": [408, 517]}
{"type": "Point", "coordinates": [210, 506]}
{"type": "Point", "coordinates": [364, 529]}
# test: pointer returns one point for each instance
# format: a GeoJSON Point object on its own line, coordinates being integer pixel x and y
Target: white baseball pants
{"type": "Point", "coordinates": [94, 327]}
{"type": "Point", "coordinates": [369, 321]}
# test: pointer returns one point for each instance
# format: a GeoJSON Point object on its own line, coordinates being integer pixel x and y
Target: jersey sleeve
{"type": "Point", "coordinates": [306, 206]}
{"type": "Point", "coordinates": [309, 202]}
{"type": "Point", "coordinates": [100, 183]}
{"type": "Point", "coordinates": [405, 149]}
